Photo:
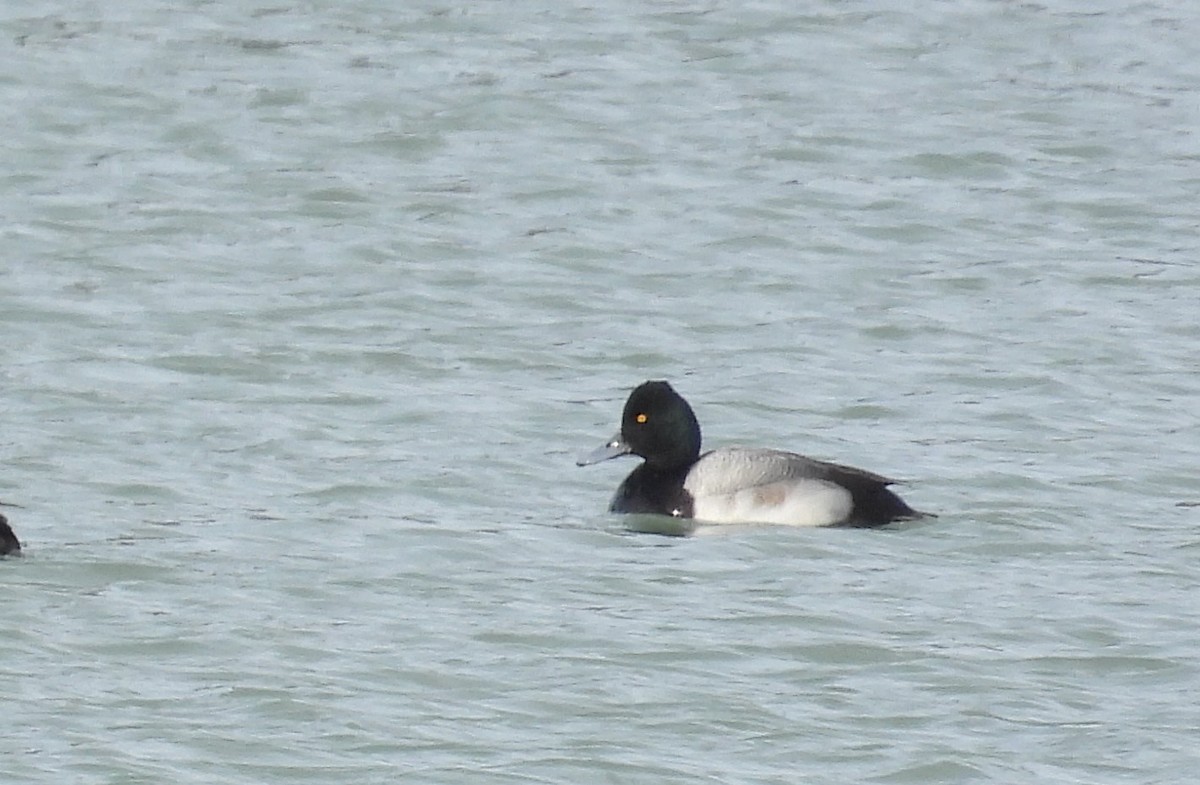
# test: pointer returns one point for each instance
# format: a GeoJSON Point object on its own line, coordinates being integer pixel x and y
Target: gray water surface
{"type": "Point", "coordinates": [308, 308]}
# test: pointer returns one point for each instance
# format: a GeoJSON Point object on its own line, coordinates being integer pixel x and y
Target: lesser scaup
{"type": "Point", "coordinates": [734, 484]}
{"type": "Point", "coordinates": [8, 540]}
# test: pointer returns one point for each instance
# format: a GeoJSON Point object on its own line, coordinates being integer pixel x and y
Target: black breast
{"type": "Point", "coordinates": [647, 490]}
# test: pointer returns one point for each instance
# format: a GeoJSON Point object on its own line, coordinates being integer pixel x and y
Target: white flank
{"type": "Point", "coordinates": [741, 485]}
{"type": "Point", "coordinates": [793, 503]}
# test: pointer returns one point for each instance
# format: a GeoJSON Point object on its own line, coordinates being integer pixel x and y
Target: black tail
{"type": "Point", "coordinates": [879, 506]}
{"type": "Point", "coordinates": [8, 540]}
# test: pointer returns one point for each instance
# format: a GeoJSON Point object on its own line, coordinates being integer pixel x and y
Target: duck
{"type": "Point", "coordinates": [9, 544]}
{"type": "Point", "coordinates": [734, 484]}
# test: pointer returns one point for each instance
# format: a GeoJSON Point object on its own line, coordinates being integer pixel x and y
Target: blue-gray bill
{"type": "Point", "coordinates": [613, 448]}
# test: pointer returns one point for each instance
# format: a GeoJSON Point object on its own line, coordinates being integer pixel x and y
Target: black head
{"type": "Point", "coordinates": [660, 426]}
{"type": "Point", "coordinates": [657, 425]}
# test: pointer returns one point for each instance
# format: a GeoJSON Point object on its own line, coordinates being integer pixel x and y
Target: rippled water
{"type": "Point", "coordinates": [308, 308]}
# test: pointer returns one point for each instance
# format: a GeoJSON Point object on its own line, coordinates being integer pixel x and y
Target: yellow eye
{"type": "Point", "coordinates": [641, 418]}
